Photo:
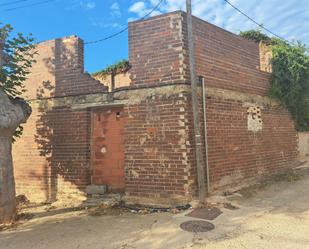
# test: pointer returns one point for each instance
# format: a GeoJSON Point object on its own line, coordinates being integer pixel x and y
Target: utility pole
{"type": "Point", "coordinates": [200, 169]}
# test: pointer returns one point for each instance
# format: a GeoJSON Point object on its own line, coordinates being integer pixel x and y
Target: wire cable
{"type": "Point", "coordinates": [127, 27]}
{"type": "Point", "coordinates": [258, 24]}
{"type": "Point", "coordinates": [14, 2]}
{"type": "Point", "coordinates": [29, 5]}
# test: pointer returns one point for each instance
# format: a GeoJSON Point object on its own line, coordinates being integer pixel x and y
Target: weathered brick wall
{"type": "Point", "coordinates": [69, 69]}
{"type": "Point", "coordinates": [240, 149]}
{"type": "Point", "coordinates": [228, 61]}
{"type": "Point", "coordinates": [156, 50]}
{"type": "Point", "coordinates": [158, 148]}
{"type": "Point", "coordinates": [51, 160]}
{"type": "Point", "coordinates": [159, 54]}
{"type": "Point", "coordinates": [159, 154]}
{"type": "Point", "coordinates": [121, 80]}
{"type": "Point", "coordinates": [231, 64]}
{"type": "Point", "coordinates": [59, 70]}
{"type": "Point", "coordinates": [237, 152]}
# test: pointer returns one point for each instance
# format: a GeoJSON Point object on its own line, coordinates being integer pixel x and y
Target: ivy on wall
{"type": "Point", "coordinates": [290, 75]}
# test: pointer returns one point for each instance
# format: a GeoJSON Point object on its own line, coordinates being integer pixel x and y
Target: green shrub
{"type": "Point", "coordinates": [290, 76]}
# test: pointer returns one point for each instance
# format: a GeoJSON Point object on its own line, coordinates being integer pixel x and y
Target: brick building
{"type": "Point", "coordinates": [139, 139]}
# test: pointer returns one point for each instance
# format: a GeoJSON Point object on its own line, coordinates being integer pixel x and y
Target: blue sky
{"type": "Point", "coordinates": [95, 19]}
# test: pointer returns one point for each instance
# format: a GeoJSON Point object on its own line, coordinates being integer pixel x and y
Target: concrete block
{"type": "Point", "coordinates": [96, 189]}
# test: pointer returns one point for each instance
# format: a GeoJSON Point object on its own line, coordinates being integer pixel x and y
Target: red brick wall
{"type": "Point", "coordinates": [158, 132]}
{"type": "Point", "coordinates": [156, 50]}
{"type": "Point", "coordinates": [228, 61]}
{"type": "Point", "coordinates": [158, 153]}
{"type": "Point", "coordinates": [51, 160]}
{"type": "Point", "coordinates": [69, 69]}
{"type": "Point", "coordinates": [159, 54]}
{"type": "Point", "coordinates": [59, 70]}
{"type": "Point", "coordinates": [52, 157]}
{"type": "Point", "coordinates": [236, 153]}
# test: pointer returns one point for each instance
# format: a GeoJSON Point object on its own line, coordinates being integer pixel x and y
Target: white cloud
{"type": "Point", "coordinates": [141, 9]}
{"type": "Point", "coordinates": [103, 23]}
{"type": "Point", "coordinates": [115, 10]}
{"type": "Point", "coordinates": [138, 8]}
{"type": "Point", "coordinates": [115, 6]}
{"type": "Point", "coordinates": [88, 5]}
{"type": "Point", "coordinates": [285, 18]}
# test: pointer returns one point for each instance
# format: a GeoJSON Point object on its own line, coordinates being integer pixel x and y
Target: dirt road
{"type": "Point", "coordinates": [276, 217]}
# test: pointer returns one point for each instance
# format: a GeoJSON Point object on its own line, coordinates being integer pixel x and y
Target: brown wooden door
{"type": "Point", "coordinates": [107, 148]}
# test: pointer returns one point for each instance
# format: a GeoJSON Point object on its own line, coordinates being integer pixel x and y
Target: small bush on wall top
{"type": "Point", "coordinates": [118, 67]}
{"type": "Point", "coordinates": [290, 75]}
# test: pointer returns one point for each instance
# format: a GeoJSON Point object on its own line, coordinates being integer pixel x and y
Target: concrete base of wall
{"type": "Point", "coordinates": [156, 202]}
{"type": "Point", "coordinates": [256, 180]}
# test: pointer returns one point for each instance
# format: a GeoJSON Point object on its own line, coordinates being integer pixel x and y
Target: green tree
{"type": "Point", "coordinates": [18, 57]}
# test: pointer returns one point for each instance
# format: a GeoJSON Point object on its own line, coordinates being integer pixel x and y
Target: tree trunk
{"type": "Point", "coordinates": [12, 113]}
{"type": "Point", "coordinates": [7, 184]}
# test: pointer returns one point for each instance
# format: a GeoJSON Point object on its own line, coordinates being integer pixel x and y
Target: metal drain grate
{"type": "Point", "coordinates": [205, 213]}
{"type": "Point", "coordinates": [197, 226]}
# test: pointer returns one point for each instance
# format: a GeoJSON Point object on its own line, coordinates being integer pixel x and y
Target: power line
{"type": "Point", "coordinates": [14, 2]}
{"type": "Point", "coordinates": [258, 24]}
{"type": "Point", "coordinates": [108, 37]}
{"type": "Point", "coordinates": [127, 27]}
{"type": "Point", "coordinates": [29, 5]}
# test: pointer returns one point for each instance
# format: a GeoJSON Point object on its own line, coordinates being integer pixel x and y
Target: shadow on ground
{"type": "Point", "coordinates": [275, 217]}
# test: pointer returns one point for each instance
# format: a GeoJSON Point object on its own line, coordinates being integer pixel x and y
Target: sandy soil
{"type": "Point", "coordinates": [275, 217]}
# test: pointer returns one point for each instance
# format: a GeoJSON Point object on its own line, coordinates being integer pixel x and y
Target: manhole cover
{"type": "Point", "coordinates": [197, 226]}
{"type": "Point", "coordinates": [205, 213]}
